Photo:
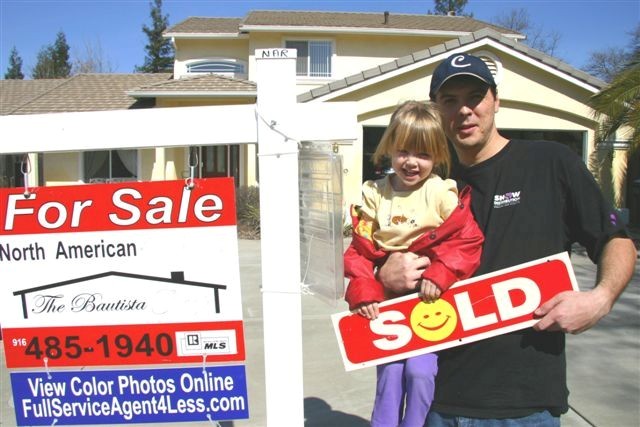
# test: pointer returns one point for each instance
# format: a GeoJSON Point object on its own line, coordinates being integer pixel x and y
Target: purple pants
{"type": "Point", "coordinates": [404, 392]}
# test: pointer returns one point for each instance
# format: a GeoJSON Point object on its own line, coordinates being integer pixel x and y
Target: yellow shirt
{"type": "Point", "coordinates": [394, 219]}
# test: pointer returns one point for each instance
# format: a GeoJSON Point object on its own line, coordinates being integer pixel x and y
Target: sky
{"type": "Point", "coordinates": [114, 27]}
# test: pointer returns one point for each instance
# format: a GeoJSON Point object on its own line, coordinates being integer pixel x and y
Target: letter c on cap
{"type": "Point", "coordinates": [456, 62]}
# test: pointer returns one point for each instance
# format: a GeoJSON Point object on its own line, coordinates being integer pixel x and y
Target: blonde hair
{"type": "Point", "coordinates": [417, 127]}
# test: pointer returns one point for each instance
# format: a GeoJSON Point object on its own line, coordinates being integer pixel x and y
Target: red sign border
{"type": "Point", "coordinates": [350, 366]}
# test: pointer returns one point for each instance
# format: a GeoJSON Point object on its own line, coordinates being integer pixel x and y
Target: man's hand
{"type": "Point", "coordinates": [573, 312]}
{"type": "Point", "coordinates": [402, 272]}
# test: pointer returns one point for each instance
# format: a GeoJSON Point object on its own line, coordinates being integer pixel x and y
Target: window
{"type": "Point", "coordinates": [493, 63]}
{"type": "Point", "coordinates": [216, 66]}
{"type": "Point", "coordinates": [314, 57]}
{"type": "Point", "coordinates": [13, 168]}
{"type": "Point", "coordinates": [572, 139]}
{"type": "Point", "coordinates": [110, 166]}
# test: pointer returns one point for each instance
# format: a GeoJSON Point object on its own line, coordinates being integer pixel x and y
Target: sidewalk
{"type": "Point", "coordinates": [603, 363]}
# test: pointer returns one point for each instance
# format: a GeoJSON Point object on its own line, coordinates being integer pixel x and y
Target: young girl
{"type": "Point", "coordinates": [415, 210]}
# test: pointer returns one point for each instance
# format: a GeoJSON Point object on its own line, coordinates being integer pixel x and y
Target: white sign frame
{"type": "Point", "coordinates": [276, 123]}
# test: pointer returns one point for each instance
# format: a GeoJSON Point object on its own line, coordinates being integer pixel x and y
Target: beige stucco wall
{"type": "Point", "coordinates": [61, 168]}
{"type": "Point", "coordinates": [66, 168]}
{"type": "Point", "coordinates": [198, 49]}
{"type": "Point", "coordinates": [352, 53]}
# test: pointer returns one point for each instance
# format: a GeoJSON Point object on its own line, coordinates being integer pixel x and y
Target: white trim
{"type": "Point", "coordinates": [194, 94]}
{"type": "Point", "coordinates": [437, 58]}
{"type": "Point", "coordinates": [355, 30]}
{"type": "Point", "coordinates": [545, 67]}
{"type": "Point", "coordinates": [81, 167]}
{"type": "Point", "coordinates": [221, 59]}
{"type": "Point", "coordinates": [206, 35]}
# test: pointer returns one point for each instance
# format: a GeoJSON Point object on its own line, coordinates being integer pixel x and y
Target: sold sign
{"type": "Point", "coordinates": [471, 310]}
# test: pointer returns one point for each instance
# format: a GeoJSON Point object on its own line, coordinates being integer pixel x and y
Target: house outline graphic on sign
{"type": "Point", "coordinates": [177, 277]}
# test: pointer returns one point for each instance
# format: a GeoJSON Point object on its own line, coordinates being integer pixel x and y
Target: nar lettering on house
{"type": "Point", "coordinates": [277, 53]}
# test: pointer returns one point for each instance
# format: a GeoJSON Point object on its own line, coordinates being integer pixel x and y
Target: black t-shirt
{"type": "Point", "coordinates": [532, 199]}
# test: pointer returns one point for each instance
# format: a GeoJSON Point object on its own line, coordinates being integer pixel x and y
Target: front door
{"type": "Point", "coordinates": [220, 161]}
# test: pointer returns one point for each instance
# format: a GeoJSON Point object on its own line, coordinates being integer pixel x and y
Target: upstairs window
{"type": "Point", "coordinates": [216, 66]}
{"type": "Point", "coordinates": [110, 166]}
{"type": "Point", "coordinates": [314, 57]}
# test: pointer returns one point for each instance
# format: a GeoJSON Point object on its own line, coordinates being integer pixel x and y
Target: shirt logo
{"type": "Point", "coordinates": [456, 62]}
{"type": "Point", "coordinates": [507, 199]}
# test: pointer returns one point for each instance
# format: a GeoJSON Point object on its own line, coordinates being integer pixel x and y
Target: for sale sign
{"type": "Point", "coordinates": [119, 254]}
{"type": "Point", "coordinates": [471, 310]}
{"type": "Point", "coordinates": [119, 274]}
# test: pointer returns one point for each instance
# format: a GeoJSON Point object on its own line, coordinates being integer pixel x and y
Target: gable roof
{"type": "Point", "coordinates": [208, 85]}
{"type": "Point", "coordinates": [82, 92]}
{"type": "Point", "coordinates": [334, 22]}
{"type": "Point", "coordinates": [373, 21]}
{"type": "Point", "coordinates": [435, 53]}
{"type": "Point", "coordinates": [200, 25]}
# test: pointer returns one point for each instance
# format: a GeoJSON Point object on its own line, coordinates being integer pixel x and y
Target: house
{"type": "Point", "coordinates": [376, 60]}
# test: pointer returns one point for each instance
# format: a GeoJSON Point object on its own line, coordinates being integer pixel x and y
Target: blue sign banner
{"type": "Point", "coordinates": [130, 396]}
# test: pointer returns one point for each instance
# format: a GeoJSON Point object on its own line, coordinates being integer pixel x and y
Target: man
{"type": "Point", "coordinates": [531, 199]}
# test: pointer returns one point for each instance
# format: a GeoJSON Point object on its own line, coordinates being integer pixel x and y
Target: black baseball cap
{"type": "Point", "coordinates": [460, 64]}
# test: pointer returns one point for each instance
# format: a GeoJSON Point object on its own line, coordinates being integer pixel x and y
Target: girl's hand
{"type": "Point", "coordinates": [429, 292]}
{"type": "Point", "coordinates": [369, 310]}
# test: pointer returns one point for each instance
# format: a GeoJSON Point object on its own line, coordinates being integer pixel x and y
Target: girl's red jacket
{"type": "Point", "coordinates": [454, 249]}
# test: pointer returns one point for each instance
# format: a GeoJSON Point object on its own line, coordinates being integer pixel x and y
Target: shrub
{"type": "Point", "coordinates": [248, 212]}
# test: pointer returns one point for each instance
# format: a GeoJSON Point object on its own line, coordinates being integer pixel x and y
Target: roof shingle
{"type": "Point", "coordinates": [82, 92]}
{"type": "Point", "coordinates": [368, 20]}
{"type": "Point", "coordinates": [198, 25]}
{"type": "Point", "coordinates": [334, 20]}
{"type": "Point", "coordinates": [15, 93]}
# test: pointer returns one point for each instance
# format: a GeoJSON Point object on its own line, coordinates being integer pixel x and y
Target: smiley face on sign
{"type": "Point", "coordinates": [433, 321]}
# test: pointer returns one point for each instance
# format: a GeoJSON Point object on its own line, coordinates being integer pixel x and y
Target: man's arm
{"type": "Point", "coordinates": [575, 312]}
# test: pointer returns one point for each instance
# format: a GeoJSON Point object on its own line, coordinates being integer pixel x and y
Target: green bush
{"type": "Point", "coordinates": [248, 212]}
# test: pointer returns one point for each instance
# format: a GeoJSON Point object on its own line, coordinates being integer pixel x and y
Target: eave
{"type": "Point", "coordinates": [187, 94]}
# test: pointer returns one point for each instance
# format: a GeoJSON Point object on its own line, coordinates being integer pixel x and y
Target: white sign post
{"type": "Point", "coordinates": [279, 219]}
